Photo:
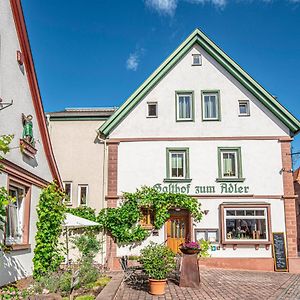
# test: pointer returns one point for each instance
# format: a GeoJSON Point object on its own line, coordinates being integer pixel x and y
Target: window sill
{"type": "Point", "coordinates": [211, 120]}
{"type": "Point", "coordinates": [184, 120]}
{"type": "Point", "coordinates": [147, 227]}
{"type": "Point", "coordinates": [248, 115]}
{"type": "Point", "coordinates": [177, 180]}
{"type": "Point", "coordinates": [251, 243]}
{"type": "Point", "coordinates": [152, 117]}
{"type": "Point", "coordinates": [230, 179]}
{"type": "Point", "coordinates": [16, 247]}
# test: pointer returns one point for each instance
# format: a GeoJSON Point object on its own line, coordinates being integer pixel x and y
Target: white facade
{"type": "Point", "coordinates": [142, 151]}
{"type": "Point", "coordinates": [30, 173]}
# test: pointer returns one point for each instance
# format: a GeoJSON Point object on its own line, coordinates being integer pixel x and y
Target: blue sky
{"type": "Point", "coordinates": [97, 52]}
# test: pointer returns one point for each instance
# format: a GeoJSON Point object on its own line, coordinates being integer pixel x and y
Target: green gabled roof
{"type": "Point", "coordinates": [222, 58]}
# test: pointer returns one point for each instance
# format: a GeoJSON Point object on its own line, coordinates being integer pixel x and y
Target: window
{"type": "Point", "coordinates": [15, 216]}
{"type": "Point", "coordinates": [244, 108]}
{"type": "Point", "coordinates": [184, 106]}
{"type": "Point", "coordinates": [230, 164]}
{"type": "Point", "coordinates": [152, 110]}
{"type": "Point", "coordinates": [197, 59]}
{"type": "Point", "coordinates": [211, 235]}
{"type": "Point", "coordinates": [177, 163]}
{"type": "Point", "coordinates": [147, 219]}
{"type": "Point", "coordinates": [210, 106]}
{"type": "Point", "coordinates": [245, 224]}
{"type": "Point", "coordinates": [82, 194]}
{"type": "Point", "coordinates": [68, 192]}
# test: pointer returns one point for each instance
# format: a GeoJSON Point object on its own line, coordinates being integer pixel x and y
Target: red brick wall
{"type": "Point", "coordinates": [297, 192]}
{"type": "Point", "coordinates": [289, 199]}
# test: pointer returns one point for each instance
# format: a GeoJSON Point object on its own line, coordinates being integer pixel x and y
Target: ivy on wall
{"type": "Point", "coordinates": [51, 214]}
{"type": "Point", "coordinates": [123, 222]}
{"type": "Point", "coordinates": [5, 140]}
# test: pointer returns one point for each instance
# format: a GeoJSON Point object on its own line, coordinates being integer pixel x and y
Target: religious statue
{"type": "Point", "coordinates": [27, 129]}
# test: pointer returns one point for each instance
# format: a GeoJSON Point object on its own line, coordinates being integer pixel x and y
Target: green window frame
{"type": "Point", "coordinates": [230, 164]}
{"type": "Point", "coordinates": [178, 111]}
{"type": "Point", "coordinates": [211, 93]}
{"type": "Point", "coordinates": [185, 177]}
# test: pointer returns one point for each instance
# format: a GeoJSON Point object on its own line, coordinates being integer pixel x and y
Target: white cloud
{"type": "Point", "coordinates": [217, 3]}
{"type": "Point", "coordinates": [132, 62]}
{"type": "Point", "coordinates": [163, 7]}
{"type": "Point", "coordinates": [168, 7]}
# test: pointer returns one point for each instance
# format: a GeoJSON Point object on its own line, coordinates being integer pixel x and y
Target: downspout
{"type": "Point", "coordinates": [103, 189]}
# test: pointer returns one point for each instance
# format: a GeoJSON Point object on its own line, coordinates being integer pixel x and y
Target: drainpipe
{"type": "Point", "coordinates": [104, 188]}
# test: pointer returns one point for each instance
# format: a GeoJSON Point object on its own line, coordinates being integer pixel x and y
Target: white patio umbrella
{"type": "Point", "coordinates": [73, 222]}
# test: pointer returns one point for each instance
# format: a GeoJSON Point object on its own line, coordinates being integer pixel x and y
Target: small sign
{"type": "Point", "coordinates": [279, 252]}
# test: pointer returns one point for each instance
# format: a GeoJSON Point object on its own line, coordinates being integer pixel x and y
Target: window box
{"type": "Point", "coordinates": [27, 148]}
{"type": "Point", "coordinates": [211, 108]}
{"type": "Point", "coordinates": [184, 106]}
{"type": "Point", "coordinates": [245, 224]}
{"type": "Point", "coordinates": [177, 165]}
{"type": "Point", "coordinates": [229, 164]}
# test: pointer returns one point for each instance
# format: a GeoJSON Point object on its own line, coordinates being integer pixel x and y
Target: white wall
{"type": "Point", "coordinates": [80, 157]}
{"type": "Point", "coordinates": [18, 264]}
{"type": "Point", "coordinates": [144, 163]}
{"type": "Point", "coordinates": [209, 76]}
{"type": "Point", "coordinates": [14, 86]}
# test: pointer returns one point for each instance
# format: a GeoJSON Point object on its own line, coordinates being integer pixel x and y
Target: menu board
{"type": "Point", "coordinates": [279, 252]}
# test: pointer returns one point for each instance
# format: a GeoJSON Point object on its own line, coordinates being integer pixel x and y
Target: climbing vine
{"type": "Point", "coordinates": [51, 213]}
{"type": "Point", "coordinates": [123, 222]}
{"type": "Point", "coordinates": [5, 140]}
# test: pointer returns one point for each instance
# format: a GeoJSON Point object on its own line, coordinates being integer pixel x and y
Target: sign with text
{"type": "Point", "coordinates": [279, 252]}
{"type": "Point", "coordinates": [222, 188]}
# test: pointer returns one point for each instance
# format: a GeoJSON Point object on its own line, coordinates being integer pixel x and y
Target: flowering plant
{"type": "Point", "coordinates": [190, 245]}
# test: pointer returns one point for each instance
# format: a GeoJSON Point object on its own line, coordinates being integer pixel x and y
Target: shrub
{"type": "Point", "coordinates": [87, 273]}
{"type": "Point", "coordinates": [65, 281]}
{"type": "Point", "coordinates": [49, 282]}
{"type": "Point", "coordinates": [85, 297]}
{"type": "Point", "coordinates": [204, 246]}
{"type": "Point", "coordinates": [87, 244]}
{"type": "Point", "coordinates": [158, 261]}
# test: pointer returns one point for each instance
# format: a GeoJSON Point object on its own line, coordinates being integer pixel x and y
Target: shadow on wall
{"type": "Point", "coordinates": [10, 267]}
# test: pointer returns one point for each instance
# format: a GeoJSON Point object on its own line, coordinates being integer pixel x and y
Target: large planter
{"type": "Point", "coordinates": [189, 251]}
{"type": "Point", "coordinates": [157, 287]}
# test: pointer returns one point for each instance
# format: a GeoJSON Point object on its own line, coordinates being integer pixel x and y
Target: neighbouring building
{"type": "Point", "coordinates": [297, 192]}
{"type": "Point", "coordinates": [80, 154]}
{"type": "Point", "coordinates": [30, 165]}
{"type": "Point", "coordinates": [201, 125]}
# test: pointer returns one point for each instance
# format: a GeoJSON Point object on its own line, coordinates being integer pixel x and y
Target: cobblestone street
{"type": "Point", "coordinates": [225, 284]}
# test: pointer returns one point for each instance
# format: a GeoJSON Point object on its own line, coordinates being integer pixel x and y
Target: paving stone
{"type": "Point", "coordinates": [226, 284]}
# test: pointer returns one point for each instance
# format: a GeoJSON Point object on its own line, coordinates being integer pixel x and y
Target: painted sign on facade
{"type": "Point", "coordinates": [222, 188]}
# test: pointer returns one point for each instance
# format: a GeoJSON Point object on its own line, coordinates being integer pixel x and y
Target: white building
{"type": "Point", "coordinates": [201, 125]}
{"type": "Point", "coordinates": [30, 164]}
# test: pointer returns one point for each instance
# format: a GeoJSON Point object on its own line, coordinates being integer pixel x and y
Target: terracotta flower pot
{"type": "Point", "coordinates": [157, 287]}
{"type": "Point", "coordinates": [189, 251]}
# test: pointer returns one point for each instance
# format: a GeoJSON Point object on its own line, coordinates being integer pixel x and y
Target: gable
{"type": "Point", "coordinates": [19, 82]}
{"type": "Point", "coordinates": [245, 80]}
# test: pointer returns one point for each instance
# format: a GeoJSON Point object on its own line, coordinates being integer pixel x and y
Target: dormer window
{"type": "Point", "coordinates": [197, 59]}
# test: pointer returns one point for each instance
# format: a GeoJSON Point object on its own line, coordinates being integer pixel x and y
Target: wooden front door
{"type": "Point", "coordinates": [177, 228]}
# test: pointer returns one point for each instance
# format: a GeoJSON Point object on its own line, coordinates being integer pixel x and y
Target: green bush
{"type": "Point", "coordinates": [204, 246]}
{"type": "Point", "coordinates": [65, 281]}
{"type": "Point", "coordinates": [88, 245]}
{"type": "Point", "coordinates": [87, 273]}
{"type": "Point", "coordinates": [85, 297]}
{"type": "Point", "coordinates": [158, 261]}
{"type": "Point", "coordinates": [49, 282]}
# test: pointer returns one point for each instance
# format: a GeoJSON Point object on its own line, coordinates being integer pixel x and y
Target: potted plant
{"type": "Point", "coordinates": [158, 261]}
{"type": "Point", "coordinates": [190, 248]}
